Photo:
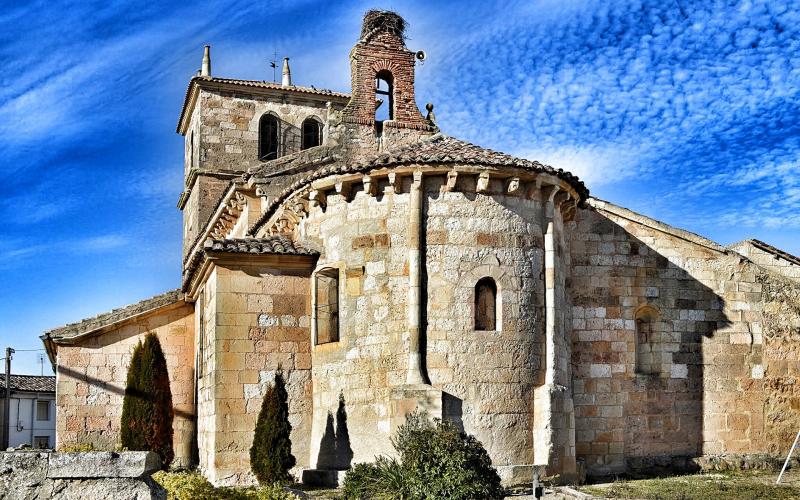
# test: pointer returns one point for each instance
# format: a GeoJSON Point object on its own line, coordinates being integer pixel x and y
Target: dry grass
{"type": "Point", "coordinates": [713, 486]}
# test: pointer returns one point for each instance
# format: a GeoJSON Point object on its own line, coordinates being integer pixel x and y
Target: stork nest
{"type": "Point", "coordinates": [383, 21]}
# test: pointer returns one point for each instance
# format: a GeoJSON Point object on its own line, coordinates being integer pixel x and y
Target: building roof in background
{"type": "Point", "coordinates": [29, 383]}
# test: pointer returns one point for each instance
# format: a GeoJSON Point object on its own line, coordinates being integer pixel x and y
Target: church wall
{"type": "Point", "coordinates": [91, 377]}
{"type": "Point", "coordinates": [201, 204]}
{"type": "Point", "coordinates": [261, 318]}
{"type": "Point", "coordinates": [710, 391]}
{"type": "Point", "coordinates": [488, 376]}
{"type": "Point", "coordinates": [365, 239]}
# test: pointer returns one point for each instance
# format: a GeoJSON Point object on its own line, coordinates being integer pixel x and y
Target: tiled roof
{"type": "Point", "coordinates": [436, 149]}
{"type": "Point", "coordinates": [273, 244]}
{"type": "Point", "coordinates": [277, 86]}
{"type": "Point", "coordinates": [257, 84]}
{"type": "Point", "coordinates": [88, 325]}
{"type": "Point", "coordinates": [775, 251]}
{"type": "Point", "coordinates": [32, 383]}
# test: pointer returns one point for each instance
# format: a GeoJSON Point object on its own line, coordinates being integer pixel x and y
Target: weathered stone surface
{"type": "Point", "coordinates": [102, 464]}
{"type": "Point", "coordinates": [24, 476]}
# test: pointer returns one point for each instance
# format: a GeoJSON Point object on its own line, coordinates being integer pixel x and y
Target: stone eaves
{"type": "Point", "coordinates": [434, 150]}
{"type": "Point", "coordinates": [208, 82]}
{"type": "Point", "coordinates": [272, 245]}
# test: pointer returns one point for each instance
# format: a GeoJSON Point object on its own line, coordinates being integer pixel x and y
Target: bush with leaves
{"type": "Point", "coordinates": [271, 454]}
{"type": "Point", "coordinates": [436, 461]}
{"type": "Point", "coordinates": [147, 411]}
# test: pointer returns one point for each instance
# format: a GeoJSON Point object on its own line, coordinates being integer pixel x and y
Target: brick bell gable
{"type": "Point", "coordinates": [382, 49]}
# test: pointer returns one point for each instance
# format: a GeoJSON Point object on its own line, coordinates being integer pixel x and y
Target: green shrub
{"type": "Point", "coordinates": [147, 411]}
{"type": "Point", "coordinates": [271, 454]}
{"type": "Point", "coordinates": [436, 461]}
{"type": "Point", "coordinates": [382, 480]}
{"type": "Point", "coordinates": [192, 486]}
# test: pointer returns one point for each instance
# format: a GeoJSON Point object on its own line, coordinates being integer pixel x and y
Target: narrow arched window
{"type": "Point", "coordinates": [268, 133]}
{"type": "Point", "coordinates": [648, 342]}
{"type": "Point", "coordinates": [486, 304]}
{"type": "Point", "coordinates": [384, 95]}
{"type": "Point", "coordinates": [311, 133]}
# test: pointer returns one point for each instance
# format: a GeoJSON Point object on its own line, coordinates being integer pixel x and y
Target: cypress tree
{"type": "Point", "coordinates": [147, 411]}
{"type": "Point", "coordinates": [271, 454]}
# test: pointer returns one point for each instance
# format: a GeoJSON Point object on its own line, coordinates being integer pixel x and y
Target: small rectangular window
{"type": "Point", "coordinates": [43, 410]}
{"type": "Point", "coordinates": [327, 306]}
{"type": "Point", "coordinates": [41, 442]}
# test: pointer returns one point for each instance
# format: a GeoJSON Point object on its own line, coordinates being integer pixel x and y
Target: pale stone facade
{"type": "Point", "coordinates": [354, 264]}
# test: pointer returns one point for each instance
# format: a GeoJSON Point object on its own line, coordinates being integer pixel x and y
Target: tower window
{"type": "Point", "coordinates": [327, 306]}
{"type": "Point", "coordinates": [268, 133]}
{"type": "Point", "coordinates": [312, 133]}
{"type": "Point", "coordinates": [486, 305]}
{"type": "Point", "coordinates": [648, 342]}
{"type": "Point", "coordinates": [384, 93]}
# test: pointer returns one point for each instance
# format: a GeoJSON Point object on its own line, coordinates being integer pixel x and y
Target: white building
{"type": "Point", "coordinates": [32, 410]}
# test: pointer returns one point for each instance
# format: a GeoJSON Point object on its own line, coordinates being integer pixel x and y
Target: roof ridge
{"type": "Point", "coordinates": [775, 251]}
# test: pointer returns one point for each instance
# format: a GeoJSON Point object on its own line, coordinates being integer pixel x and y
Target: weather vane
{"type": "Point", "coordinates": [274, 65]}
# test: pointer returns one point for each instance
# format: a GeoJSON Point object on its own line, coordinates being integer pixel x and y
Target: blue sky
{"type": "Point", "coordinates": [688, 112]}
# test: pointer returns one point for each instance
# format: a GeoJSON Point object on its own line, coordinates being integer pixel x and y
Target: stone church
{"type": "Point", "coordinates": [387, 266]}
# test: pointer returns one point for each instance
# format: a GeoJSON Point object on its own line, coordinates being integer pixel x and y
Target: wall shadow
{"type": "Point", "coordinates": [335, 452]}
{"type": "Point", "coordinates": [643, 422]}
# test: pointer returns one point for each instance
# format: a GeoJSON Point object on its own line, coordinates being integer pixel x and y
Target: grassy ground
{"type": "Point", "coordinates": [711, 486]}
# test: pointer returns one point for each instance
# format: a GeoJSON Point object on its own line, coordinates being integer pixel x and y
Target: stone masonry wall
{"type": "Point", "coordinates": [365, 239]}
{"type": "Point", "coordinates": [488, 377]}
{"type": "Point", "coordinates": [262, 320]}
{"type": "Point", "coordinates": [710, 394]}
{"type": "Point", "coordinates": [90, 380]}
{"type": "Point", "coordinates": [228, 126]}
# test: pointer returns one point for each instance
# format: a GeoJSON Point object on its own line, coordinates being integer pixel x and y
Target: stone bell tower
{"type": "Point", "coordinates": [382, 76]}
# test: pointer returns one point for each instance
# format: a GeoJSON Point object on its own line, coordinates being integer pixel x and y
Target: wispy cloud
{"type": "Point", "coordinates": [673, 94]}
{"type": "Point", "coordinates": [18, 253]}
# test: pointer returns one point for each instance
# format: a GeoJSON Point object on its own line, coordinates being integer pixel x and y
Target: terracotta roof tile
{"type": "Point", "coordinates": [31, 383]}
{"type": "Point", "coordinates": [272, 245]}
{"type": "Point", "coordinates": [277, 86]}
{"type": "Point", "coordinates": [436, 149]}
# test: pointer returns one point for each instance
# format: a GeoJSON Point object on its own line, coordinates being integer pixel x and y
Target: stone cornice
{"type": "Point", "coordinates": [282, 218]}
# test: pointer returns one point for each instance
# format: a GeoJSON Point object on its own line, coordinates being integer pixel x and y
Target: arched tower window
{"type": "Point", "coordinates": [268, 133]}
{"type": "Point", "coordinates": [486, 304]}
{"type": "Point", "coordinates": [311, 133]}
{"type": "Point", "coordinates": [384, 91]}
{"type": "Point", "coordinates": [648, 342]}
